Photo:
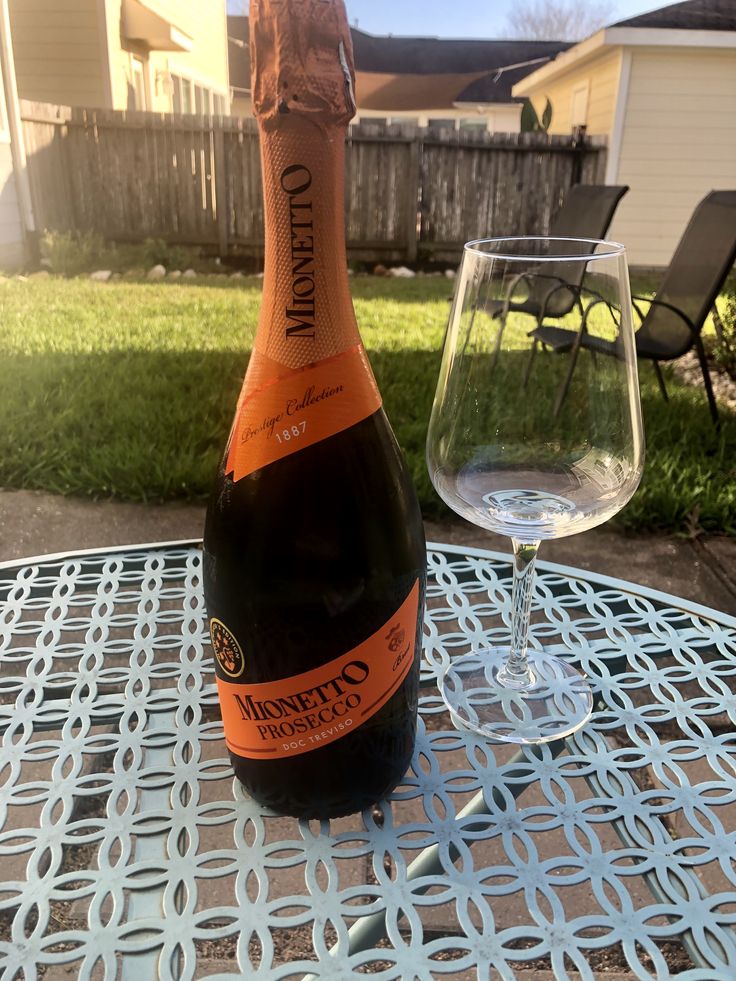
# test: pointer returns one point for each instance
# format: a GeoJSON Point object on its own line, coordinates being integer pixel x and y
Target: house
{"type": "Point", "coordinates": [433, 81]}
{"type": "Point", "coordinates": [420, 80]}
{"type": "Point", "coordinates": [16, 214]}
{"type": "Point", "coordinates": [162, 55]}
{"type": "Point", "coordinates": [662, 88]}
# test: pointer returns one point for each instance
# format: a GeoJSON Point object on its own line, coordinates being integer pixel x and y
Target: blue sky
{"type": "Point", "coordinates": [457, 18]}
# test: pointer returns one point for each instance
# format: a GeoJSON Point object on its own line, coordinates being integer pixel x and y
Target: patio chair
{"type": "Point", "coordinates": [585, 213]}
{"type": "Point", "coordinates": [673, 323]}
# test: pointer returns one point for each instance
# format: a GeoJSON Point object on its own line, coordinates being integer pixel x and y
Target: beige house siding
{"type": "Point", "coordinates": [598, 77]}
{"type": "Point", "coordinates": [678, 143]}
{"type": "Point", "coordinates": [206, 65]}
{"type": "Point", "coordinates": [57, 46]}
{"type": "Point", "coordinates": [73, 52]}
{"type": "Point", "coordinates": [12, 250]}
{"type": "Point", "coordinates": [11, 228]}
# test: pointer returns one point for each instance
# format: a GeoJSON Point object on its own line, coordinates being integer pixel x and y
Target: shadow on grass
{"type": "Point", "coordinates": [152, 426]}
{"type": "Point", "coordinates": [363, 287]}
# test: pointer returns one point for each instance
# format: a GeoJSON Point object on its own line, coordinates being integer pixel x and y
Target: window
{"type": "Point", "coordinates": [191, 97]}
{"type": "Point", "coordinates": [177, 95]}
{"type": "Point", "coordinates": [139, 83]}
{"type": "Point", "coordinates": [201, 100]}
{"type": "Point", "coordinates": [440, 124]}
{"type": "Point", "coordinates": [187, 104]}
{"type": "Point", "coordinates": [579, 107]}
{"type": "Point", "coordinates": [182, 94]}
{"type": "Point", "coordinates": [474, 122]}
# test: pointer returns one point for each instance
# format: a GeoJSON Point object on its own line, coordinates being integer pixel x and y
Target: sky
{"type": "Point", "coordinates": [440, 18]}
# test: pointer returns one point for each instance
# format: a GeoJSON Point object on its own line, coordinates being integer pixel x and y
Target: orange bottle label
{"type": "Point", "coordinates": [299, 407]}
{"type": "Point", "coordinates": [295, 715]}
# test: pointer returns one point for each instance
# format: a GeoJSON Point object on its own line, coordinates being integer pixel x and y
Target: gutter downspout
{"type": "Point", "coordinates": [17, 146]}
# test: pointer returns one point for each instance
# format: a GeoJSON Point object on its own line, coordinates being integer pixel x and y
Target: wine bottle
{"type": "Point", "coordinates": [314, 554]}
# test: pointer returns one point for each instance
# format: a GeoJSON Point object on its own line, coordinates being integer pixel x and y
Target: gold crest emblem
{"type": "Point", "coordinates": [227, 650]}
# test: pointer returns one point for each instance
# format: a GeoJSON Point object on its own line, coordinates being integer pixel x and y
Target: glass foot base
{"type": "Point", "coordinates": [556, 703]}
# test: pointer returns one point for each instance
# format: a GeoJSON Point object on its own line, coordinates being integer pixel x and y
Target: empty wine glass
{"type": "Point", "coordinates": [534, 442]}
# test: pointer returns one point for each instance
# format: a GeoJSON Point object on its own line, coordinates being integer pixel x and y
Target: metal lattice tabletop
{"type": "Point", "coordinates": [128, 850]}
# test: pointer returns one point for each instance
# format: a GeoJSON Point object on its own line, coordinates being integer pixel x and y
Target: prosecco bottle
{"type": "Point", "coordinates": [314, 553]}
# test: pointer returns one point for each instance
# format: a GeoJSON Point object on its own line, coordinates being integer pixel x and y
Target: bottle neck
{"type": "Point", "coordinates": [307, 313]}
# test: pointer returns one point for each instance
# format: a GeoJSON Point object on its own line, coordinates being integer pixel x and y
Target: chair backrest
{"type": "Point", "coordinates": [586, 212]}
{"type": "Point", "coordinates": [694, 277]}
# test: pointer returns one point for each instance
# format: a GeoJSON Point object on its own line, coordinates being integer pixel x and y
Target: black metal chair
{"type": "Point", "coordinates": [585, 213]}
{"type": "Point", "coordinates": [674, 321]}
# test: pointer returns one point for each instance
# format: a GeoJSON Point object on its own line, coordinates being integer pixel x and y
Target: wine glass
{"type": "Point", "coordinates": [535, 433]}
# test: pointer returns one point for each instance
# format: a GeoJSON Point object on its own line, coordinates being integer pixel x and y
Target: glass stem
{"type": "Point", "coordinates": [516, 673]}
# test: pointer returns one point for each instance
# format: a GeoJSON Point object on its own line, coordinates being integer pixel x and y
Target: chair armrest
{"type": "Point", "coordinates": [594, 303]}
{"type": "Point", "coordinates": [668, 306]}
{"type": "Point", "coordinates": [529, 278]}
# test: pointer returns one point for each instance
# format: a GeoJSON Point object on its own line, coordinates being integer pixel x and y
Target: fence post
{"type": "Point", "coordinates": [579, 151]}
{"type": "Point", "coordinates": [221, 190]}
{"type": "Point", "coordinates": [412, 197]}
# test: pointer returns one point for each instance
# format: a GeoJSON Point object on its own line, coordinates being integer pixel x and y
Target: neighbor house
{"type": "Point", "coordinates": [422, 80]}
{"type": "Point", "coordinates": [16, 215]}
{"type": "Point", "coordinates": [662, 88]}
{"type": "Point", "coordinates": [435, 81]}
{"type": "Point", "coordinates": [162, 55]}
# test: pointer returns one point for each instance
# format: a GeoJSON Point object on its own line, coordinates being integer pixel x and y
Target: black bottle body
{"type": "Point", "coordinates": [305, 560]}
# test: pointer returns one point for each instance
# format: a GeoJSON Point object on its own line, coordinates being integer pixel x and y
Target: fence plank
{"type": "Point", "coordinates": [409, 194]}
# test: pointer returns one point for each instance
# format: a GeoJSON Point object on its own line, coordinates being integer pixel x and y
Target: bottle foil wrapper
{"type": "Point", "coordinates": [301, 61]}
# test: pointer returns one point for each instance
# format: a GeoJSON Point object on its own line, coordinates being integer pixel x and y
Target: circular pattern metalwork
{"type": "Point", "coordinates": [127, 848]}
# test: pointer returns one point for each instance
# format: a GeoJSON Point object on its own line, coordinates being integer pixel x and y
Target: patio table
{"type": "Point", "coordinates": [127, 850]}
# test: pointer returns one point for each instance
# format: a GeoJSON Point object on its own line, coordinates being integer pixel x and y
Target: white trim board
{"type": "Point", "coordinates": [670, 38]}
{"type": "Point", "coordinates": [624, 37]}
{"type": "Point", "coordinates": [619, 119]}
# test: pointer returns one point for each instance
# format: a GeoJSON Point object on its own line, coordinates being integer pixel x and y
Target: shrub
{"type": "Point", "coordinates": [75, 253]}
{"type": "Point", "coordinates": [723, 345]}
{"type": "Point", "coordinates": [72, 253]}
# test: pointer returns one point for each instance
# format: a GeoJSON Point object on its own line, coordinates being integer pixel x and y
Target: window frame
{"type": "Point", "coordinates": [583, 88]}
{"type": "Point", "coordinates": [138, 71]}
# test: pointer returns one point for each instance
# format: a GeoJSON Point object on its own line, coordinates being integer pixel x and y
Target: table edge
{"type": "Point", "coordinates": [569, 572]}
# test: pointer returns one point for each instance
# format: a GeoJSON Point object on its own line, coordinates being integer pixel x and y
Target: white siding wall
{"type": "Point", "coordinates": [11, 229]}
{"type": "Point", "coordinates": [205, 65]}
{"type": "Point", "coordinates": [598, 79]}
{"type": "Point", "coordinates": [678, 143]}
{"type": "Point", "coordinates": [57, 45]}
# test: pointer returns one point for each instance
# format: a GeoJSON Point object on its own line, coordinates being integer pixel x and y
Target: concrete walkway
{"type": "Point", "coordinates": [702, 570]}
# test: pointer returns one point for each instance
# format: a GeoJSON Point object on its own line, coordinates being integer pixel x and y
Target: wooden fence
{"type": "Point", "coordinates": [409, 193]}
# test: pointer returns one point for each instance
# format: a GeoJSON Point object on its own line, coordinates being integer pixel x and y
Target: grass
{"type": "Point", "coordinates": [127, 390]}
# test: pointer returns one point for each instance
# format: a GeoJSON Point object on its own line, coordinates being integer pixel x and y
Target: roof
{"type": "Point", "coordinates": [691, 20]}
{"type": "Point", "coordinates": [691, 15]}
{"type": "Point", "coordinates": [474, 71]}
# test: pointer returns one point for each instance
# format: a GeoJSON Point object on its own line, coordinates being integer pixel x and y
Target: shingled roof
{"type": "Point", "coordinates": [440, 56]}
{"type": "Point", "coordinates": [691, 15]}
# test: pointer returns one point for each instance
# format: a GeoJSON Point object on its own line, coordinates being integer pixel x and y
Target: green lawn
{"type": "Point", "coordinates": [127, 389]}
